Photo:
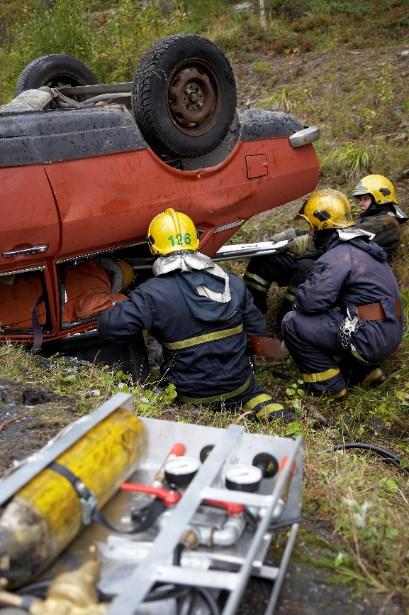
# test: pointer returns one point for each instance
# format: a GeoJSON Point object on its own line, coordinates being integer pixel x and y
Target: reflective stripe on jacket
{"type": "Point", "coordinates": [205, 353]}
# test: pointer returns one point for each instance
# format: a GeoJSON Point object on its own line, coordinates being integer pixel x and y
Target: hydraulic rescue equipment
{"type": "Point", "coordinates": [191, 524]}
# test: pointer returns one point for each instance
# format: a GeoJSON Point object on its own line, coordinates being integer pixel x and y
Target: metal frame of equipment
{"type": "Point", "coordinates": [133, 564]}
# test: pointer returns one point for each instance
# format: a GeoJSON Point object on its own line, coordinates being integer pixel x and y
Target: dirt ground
{"type": "Point", "coordinates": [29, 417]}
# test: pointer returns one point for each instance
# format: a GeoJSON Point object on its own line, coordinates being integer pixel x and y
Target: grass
{"type": "Point", "coordinates": [361, 500]}
{"type": "Point", "coordinates": [347, 161]}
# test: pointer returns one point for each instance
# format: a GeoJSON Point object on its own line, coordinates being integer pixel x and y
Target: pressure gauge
{"type": "Point", "coordinates": [180, 471]}
{"type": "Point", "coordinates": [241, 477]}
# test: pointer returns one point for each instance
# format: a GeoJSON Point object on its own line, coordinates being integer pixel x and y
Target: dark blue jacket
{"type": "Point", "coordinates": [204, 341]}
{"type": "Point", "coordinates": [351, 274]}
{"type": "Point", "coordinates": [381, 220]}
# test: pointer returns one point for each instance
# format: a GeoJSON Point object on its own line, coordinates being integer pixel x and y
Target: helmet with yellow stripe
{"type": "Point", "coordinates": [327, 209]}
{"type": "Point", "coordinates": [172, 231]}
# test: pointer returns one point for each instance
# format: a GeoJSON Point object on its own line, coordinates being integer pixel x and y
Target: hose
{"type": "Point", "coordinates": [274, 525]}
{"type": "Point", "coordinates": [384, 453]}
{"type": "Point", "coordinates": [209, 599]}
{"type": "Point", "coordinates": [177, 554]}
{"type": "Point", "coordinates": [165, 592]}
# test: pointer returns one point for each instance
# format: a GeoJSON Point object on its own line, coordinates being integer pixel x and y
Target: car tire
{"type": "Point", "coordinates": [184, 96]}
{"type": "Point", "coordinates": [54, 71]}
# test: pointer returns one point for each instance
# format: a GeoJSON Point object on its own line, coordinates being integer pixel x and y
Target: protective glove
{"type": "Point", "coordinates": [288, 234]}
{"type": "Point", "coordinates": [301, 245]}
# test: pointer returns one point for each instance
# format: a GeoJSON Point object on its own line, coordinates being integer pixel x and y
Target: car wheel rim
{"type": "Point", "coordinates": [193, 98]}
{"type": "Point", "coordinates": [61, 81]}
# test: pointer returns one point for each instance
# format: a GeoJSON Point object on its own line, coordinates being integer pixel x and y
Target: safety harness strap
{"type": "Point", "coordinates": [37, 330]}
{"type": "Point", "coordinates": [89, 504]}
{"type": "Point", "coordinates": [202, 339]}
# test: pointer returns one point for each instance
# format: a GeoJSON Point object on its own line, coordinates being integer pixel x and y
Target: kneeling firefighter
{"type": "Point", "coordinates": [201, 315]}
{"type": "Point", "coordinates": [347, 314]}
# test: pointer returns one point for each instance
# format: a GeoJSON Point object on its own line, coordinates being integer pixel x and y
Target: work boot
{"type": "Point", "coordinates": [327, 394]}
{"type": "Point", "coordinates": [340, 395]}
{"type": "Point", "coordinates": [273, 411]}
{"type": "Point", "coordinates": [265, 408]}
{"type": "Point", "coordinates": [375, 377]}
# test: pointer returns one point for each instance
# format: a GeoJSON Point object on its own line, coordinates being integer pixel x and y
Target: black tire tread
{"type": "Point", "coordinates": [142, 103]}
{"type": "Point", "coordinates": [40, 70]}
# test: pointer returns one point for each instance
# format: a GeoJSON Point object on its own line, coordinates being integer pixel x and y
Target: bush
{"type": "Point", "coordinates": [109, 42]}
{"type": "Point", "coordinates": [348, 161]}
{"type": "Point", "coordinates": [62, 29]}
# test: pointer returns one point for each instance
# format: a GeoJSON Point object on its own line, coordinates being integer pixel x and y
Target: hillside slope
{"type": "Point", "coordinates": [351, 556]}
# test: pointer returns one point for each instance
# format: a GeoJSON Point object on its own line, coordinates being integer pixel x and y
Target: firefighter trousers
{"type": "Point", "coordinates": [313, 342]}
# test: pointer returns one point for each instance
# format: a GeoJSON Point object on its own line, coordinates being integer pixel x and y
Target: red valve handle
{"type": "Point", "coordinates": [231, 508]}
{"type": "Point", "coordinates": [283, 462]}
{"type": "Point", "coordinates": [169, 498]}
{"type": "Point", "coordinates": [178, 450]}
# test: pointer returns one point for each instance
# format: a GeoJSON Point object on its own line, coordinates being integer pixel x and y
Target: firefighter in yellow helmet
{"type": "Point", "coordinates": [327, 209]}
{"type": "Point", "coordinates": [380, 214]}
{"type": "Point", "coordinates": [201, 315]}
{"type": "Point", "coordinates": [347, 314]}
{"type": "Point", "coordinates": [289, 266]}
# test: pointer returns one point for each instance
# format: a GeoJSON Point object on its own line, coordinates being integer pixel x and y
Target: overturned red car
{"type": "Point", "coordinates": [85, 166]}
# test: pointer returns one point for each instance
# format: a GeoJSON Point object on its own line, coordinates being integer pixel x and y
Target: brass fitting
{"type": "Point", "coordinates": [73, 593]}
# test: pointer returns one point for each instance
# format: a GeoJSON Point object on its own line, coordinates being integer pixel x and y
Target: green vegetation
{"type": "Point", "coordinates": [359, 499]}
{"type": "Point", "coordinates": [336, 64]}
{"type": "Point", "coordinates": [109, 42]}
{"type": "Point", "coordinates": [110, 36]}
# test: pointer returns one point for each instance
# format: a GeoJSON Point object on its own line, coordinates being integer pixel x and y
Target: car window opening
{"type": "Point", "coordinates": [89, 286]}
{"type": "Point", "coordinates": [23, 301]}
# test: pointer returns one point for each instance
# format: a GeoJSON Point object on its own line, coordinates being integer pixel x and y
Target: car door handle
{"type": "Point", "coordinates": [25, 251]}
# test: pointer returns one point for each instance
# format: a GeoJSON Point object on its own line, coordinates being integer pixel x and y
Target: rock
{"type": "Point", "coordinates": [243, 7]}
{"type": "Point", "coordinates": [400, 138]}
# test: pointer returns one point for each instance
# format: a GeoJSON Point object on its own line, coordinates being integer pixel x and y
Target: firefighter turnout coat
{"type": "Point", "coordinates": [348, 308]}
{"type": "Point", "coordinates": [290, 266]}
{"type": "Point", "coordinates": [202, 319]}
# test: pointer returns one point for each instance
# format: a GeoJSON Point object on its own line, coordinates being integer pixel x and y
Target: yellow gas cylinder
{"type": "Point", "coordinates": [45, 515]}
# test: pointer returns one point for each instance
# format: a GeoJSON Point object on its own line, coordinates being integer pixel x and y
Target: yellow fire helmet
{"type": "Point", "coordinates": [172, 231]}
{"type": "Point", "coordinates": [121, 273]}
{"type": "Point", "coordinates": [379, 187]}
{"type": "Point", "coordinates": [128, 274]}
{"type": "Point", "coordinates": [326, 209]}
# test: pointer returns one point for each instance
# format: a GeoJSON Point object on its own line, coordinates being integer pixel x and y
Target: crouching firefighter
{"type": "Point", "coordinates": [347, 315]}
{"type": "Point", "coordinates": [290, 265]}
{"type": "Point", "coordinates": [201, 315]}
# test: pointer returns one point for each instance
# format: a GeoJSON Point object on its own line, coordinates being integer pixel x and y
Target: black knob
{"type": "Point", "coordinates": [205, 452]}
{"type": "Point", "coordinates": [267, 463]}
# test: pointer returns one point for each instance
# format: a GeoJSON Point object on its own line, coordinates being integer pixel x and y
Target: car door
{"type": "Point", "coordinates": [29, 224]}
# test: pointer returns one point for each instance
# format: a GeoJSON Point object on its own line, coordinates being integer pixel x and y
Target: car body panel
{"type": "Point", "coordinates": [29, 215]}
{"type": "Point", "coordinates": [128, 189]}
{"type": "Point", "coordinates": [84, 182]}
